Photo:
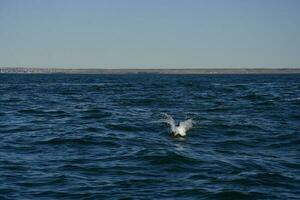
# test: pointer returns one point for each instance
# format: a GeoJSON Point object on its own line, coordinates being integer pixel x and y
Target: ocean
{"type": "Point", "coordinates": [77, 136]}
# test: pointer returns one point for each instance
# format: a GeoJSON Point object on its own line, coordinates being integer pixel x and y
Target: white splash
{"type": "Point", "coordinates": [178, 130]}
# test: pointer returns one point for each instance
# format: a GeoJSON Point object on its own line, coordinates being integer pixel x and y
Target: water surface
{"type": "Point", "coordinates": [99, 137]}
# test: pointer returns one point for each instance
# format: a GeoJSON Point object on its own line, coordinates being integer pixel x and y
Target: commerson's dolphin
{"type": "Point", "coordinates": [181, 129]}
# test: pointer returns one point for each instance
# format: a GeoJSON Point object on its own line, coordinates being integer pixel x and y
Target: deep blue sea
{"type": "Point", "coordinates": [101, 137]}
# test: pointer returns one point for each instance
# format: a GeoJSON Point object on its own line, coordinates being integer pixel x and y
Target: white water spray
{"type": "Point", "coordinates": [178, 130]}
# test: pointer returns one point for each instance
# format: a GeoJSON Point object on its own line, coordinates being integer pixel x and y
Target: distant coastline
{"type": "Point", "coordinates": [25, 70]}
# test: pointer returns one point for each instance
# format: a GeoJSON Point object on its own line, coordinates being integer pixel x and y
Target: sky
{"type": "Point", "coordinates": [150, 33]}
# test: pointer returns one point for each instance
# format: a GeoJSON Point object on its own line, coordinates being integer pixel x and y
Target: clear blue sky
{"type": "Point", "coordinates": [150, 33]}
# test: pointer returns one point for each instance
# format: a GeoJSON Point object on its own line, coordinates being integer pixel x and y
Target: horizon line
{"type": "Point", "coordinates": [142, 68]}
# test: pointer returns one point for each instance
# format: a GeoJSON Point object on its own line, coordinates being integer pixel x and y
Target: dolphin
{"type": "Point", "coordinates": [181, 128]}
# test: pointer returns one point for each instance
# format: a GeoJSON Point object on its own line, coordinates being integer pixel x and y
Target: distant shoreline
{"type": "Point", "coordinates": [21, 70]}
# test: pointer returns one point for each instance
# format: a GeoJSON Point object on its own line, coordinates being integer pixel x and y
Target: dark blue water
{"type": "Point", "coordinates": [99, 137]}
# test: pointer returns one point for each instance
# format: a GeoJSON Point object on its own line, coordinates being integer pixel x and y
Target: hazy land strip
{"type": "Point", "coordinates": [25, 70]}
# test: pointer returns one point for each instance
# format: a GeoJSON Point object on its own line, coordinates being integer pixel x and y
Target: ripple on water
{"type": "Point", "coordinates": [95, 114]}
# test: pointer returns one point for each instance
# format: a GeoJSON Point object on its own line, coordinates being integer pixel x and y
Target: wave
{"type": "Point", "coordinates": [70, 141]}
